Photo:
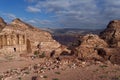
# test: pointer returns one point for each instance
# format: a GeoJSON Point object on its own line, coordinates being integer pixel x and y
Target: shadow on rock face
{"type": "Point", "coordinates": [111, 54]}
{"type": "Point", "coordinates": [115, 58]}
{"type": "Point", "coordinates": [52, 53]}
{"type": "Point", "coordinates": [65, 53]}
{"type": "Point", "coordinates": [34, 78]}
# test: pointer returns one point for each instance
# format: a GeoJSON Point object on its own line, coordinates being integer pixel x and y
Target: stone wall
{"type": "Point", "coordinates": [12, 42]}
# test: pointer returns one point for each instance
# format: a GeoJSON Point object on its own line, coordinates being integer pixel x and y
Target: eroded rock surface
{"type": "Point", "coordinates": [2, 23]}
{"type": "Point", "coordinates": [112, 33]}
{"type": "Point", "coordinates": [89, 45]}
{"type": "Point", "coordinates": [112, 36]}
{"type": "Point", "coordinates": [35, 39]}
{"type": "Point", "coordinates": [112, 54]}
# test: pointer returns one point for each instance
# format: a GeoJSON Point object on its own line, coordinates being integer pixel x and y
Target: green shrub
{"type": "Point", "coordinates": [36, 53]}
{"type": "Point", "coordinates": [96, 70]}
{"type": "Point", "coordinates": [45, 76]}
{"type": "Point", "coordinates": [116, 78]}
{"type": "Point", "coordinates": [19, 78]}
{"type": "Point", "coordinates": [42, 55]}
{"type": "Point", "coordinates": [1, 77]}
{"type": "Point", "coordinates": [26, 72]}
{"type": "Point", "coordinates": [103, 76]}
{"type": "Point", "coordinates": [57, 72]}
{"type": "Point", "coordinates": [103, 66]}
{"type": "Point", "coordinates": [55, 79]}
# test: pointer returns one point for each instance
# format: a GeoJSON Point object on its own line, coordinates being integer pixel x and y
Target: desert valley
{"type": "Point", "coordinates": [30, 53]}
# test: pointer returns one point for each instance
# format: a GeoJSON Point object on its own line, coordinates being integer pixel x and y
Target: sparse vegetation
{"type": "Point", "coordinates": [1, 77]}
{"type": "Point", "coordinates": [42, 55]}
{"type": "Point", "coordinates": [103, 66]}
{"type": "Point", "coordinates": [57, 72]}
{"type": "Point", "coordinates": [35, 66]}
{"type": "Point", "coordinates": [116, 78]}
{"type": "Point", "coordinates": [34, 78]}
{"type": "Point", "coordinates": [39, 55]}
{"type": "Point", "coordinates": [103, 76]}
{"type": "Point", "coordinates": [26, 72]}
{"type": "Point", "coordinates": [96, 70]}
{"type": "Point", "coordinates": [114, 71]}
{"type": "Point", "coordinates": [19, 78]}
{"type": "Point", "coordinates": [45, 76]}
{"type": "Point", "coordinates": [36, 53]}
{"type": "Point", "coordinates": [9, 56]}
{"type": "Point", "coordinates": [41, 68]}
{"type": "Point", "coordinates": [107, 72]}
{"type": "Point", "coordinates": [55, 79]}
{"type": "Point", "coordinates": [88, 57]}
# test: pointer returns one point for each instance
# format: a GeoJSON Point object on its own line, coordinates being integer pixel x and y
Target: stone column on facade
{"type": "Point", "coordinates": [20, 42]}
{"type": "Point", "coordinates": [9, 41]}
{"type": "Point", "coordinates": [4, 40]}
{"type": "Point", "coordinates": [0, 41]}
{"type": "Point", "coordinates": [14, 39]}
{"type": "Point", "coordinates": [19, 39]}
{"type": "Point", "coordinates": [22, 39]}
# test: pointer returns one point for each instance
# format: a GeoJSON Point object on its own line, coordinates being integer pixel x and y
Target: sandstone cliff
{"type": "Point", "coordinates": [2, 23]}
{"type": "Point", "coordinates": [89, 45]}
{"type": "Point", "coordinates": [36, 39]}
{"type": "Point", "coordinates": [103, 47]}
{"type": "Point", "coordinates": [111, 54]}
{"type": "Point", "coordinates": [112, 36]}
{"type": "Point", "coordinates": [112, 33]}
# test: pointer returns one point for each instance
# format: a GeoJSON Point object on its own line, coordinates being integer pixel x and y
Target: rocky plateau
{"type": "Point", "coordinates": [29, 53]}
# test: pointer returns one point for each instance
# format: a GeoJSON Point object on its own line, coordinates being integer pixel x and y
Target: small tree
{"type": "Point", "coordinates": [36, 53]}
{"type": "Point", "coordinates": [42, 55]}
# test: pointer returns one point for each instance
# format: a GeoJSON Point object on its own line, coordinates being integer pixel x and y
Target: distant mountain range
{"type": "Point", "coordinates": [72, 31]}
{"type": "Point", "coordinates": [66, 36]}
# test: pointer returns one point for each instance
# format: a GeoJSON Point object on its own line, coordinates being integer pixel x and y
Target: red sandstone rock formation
{"type": "Point", "coordinates": [112, 33]}
{"type": "Point", "coordinates": [36, 39]}
{"type": "Point", "coordinates": [112, 36]}
{"type": "Point", "coordinates": [105, 47]}
{"type": "Point", "coordinates": [112, 54]}
{"type": "Point", "coordinates": [89, 45]}
{"type": "Point", "coordinates": [2, 23]}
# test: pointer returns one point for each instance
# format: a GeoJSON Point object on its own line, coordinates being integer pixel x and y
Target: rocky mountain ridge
{"type": "Point", "coordinates": [2, 23]}
{"type": "Point", "coordinates": [102, 47]}
{"type": "Point", "coordinates": [36, 39]}
{"type": "Point", "coordinates": [112, 33]}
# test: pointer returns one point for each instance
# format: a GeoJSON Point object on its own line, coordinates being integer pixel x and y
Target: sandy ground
{"type": "Point", "coordinates": [85, 72]}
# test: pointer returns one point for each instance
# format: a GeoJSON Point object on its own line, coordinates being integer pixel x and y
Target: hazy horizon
{"type": "Point", "coordinates": [82, 14]}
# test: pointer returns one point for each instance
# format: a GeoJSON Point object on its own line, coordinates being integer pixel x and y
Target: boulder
{"type": "Point", "coordinates": [112, 54]}
{"type": "Point", "coordinates": [89, 45]}
{"type": "Point", "coordinates": [112, 36]}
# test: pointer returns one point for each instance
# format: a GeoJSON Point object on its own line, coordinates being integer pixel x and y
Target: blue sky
{"type": "Point", "coordinates": [93, 14]}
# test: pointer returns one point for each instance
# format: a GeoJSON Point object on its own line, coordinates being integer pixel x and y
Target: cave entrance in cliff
{"type": "Point", "coordinates": [14, 49]}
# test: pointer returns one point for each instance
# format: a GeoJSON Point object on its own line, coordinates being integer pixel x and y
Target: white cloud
{"type": "Point", "coordinates": [41, 23]}
{"type": "Point", "coordinates": [32, 21]}
{"type": "Point", "coordinates": [80, 13]}
{"type": "Point", "coordinates": [31, 1]}
{"type": "Point", "coordinates": [9, 15]}
{"type": "Point", "coordinates": [33, 9]}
